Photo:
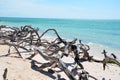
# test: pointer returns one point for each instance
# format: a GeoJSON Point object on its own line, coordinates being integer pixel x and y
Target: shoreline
{"type": "Point", "coordinates": [19, 67]}
{"type": "Point", "coordinates": [99, 32]}
{"type": "Point", "coordinates": [96, 46]}
{"type": "Point", "coordinates": [100, 48]}
{"type": "Point", "coordinates": [114, 49]}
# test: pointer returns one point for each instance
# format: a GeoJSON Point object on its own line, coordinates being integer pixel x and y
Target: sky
{"type": "Point", "coordinates": [81, 9]}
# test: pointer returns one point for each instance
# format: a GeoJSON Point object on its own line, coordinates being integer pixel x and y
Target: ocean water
{"type": "Point", "coordinates": [103, 32]}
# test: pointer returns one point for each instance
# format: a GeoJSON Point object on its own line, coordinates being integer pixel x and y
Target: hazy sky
{"type": "Point", "coordinates": [83, 9]}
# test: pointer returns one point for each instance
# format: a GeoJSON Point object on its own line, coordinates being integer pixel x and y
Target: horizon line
{"type": "Point", "coordinates": [61, 18]}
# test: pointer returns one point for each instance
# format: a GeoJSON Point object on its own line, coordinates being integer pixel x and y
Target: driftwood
{"type": "Point", "coordinates": [108, 59]}
{"type": "Point", "coordinates": [28, 39]}
{"type": "Point", "coordinates": [59, 38]}
{"type": "Point", "coordinates": [5, 74]}
{"type": "Point", "coordinates": [85, 75]}
{"type": "Point", "coordinates": [56, 61]}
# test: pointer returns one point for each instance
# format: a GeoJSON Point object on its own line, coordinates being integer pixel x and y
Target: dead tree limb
{"type": "Point", "coordinates": [5, 74]}
{"type": "Point", "coordinates": [85, 76]}
{"type": "Point", "coordinates": [108, 59]}
{"type": "Point", "coordinates": [39, 40]}
{"type": "Point", "coordinates": [60, 39]}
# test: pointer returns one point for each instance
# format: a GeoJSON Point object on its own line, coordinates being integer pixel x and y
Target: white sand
{"type": "Point", "coordinates": [20, 69]}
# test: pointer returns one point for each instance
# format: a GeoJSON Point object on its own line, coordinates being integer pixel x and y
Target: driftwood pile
{"type": "Point", "coordinates": [29, 40]}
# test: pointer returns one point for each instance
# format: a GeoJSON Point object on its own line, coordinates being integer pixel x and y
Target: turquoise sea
{"type": "Point", "coordinates": [104, 32]}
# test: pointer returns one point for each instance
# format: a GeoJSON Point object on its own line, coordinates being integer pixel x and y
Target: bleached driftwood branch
{"type": "Point", "coordinates": [21, 38]}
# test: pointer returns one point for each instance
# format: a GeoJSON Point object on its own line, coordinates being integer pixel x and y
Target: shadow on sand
{"type": "Point", "coordinates": [36, 68]}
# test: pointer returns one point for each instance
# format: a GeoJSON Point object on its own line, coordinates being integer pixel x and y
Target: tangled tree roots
{"type": "Point", "coordinates": [28, 39]}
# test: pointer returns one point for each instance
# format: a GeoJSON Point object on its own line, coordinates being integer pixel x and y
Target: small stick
{"type": "Point", "coordinates": [5, 74]}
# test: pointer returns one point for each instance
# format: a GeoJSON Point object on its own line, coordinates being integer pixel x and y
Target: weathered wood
{"type": "Point", "coordinates": [5, 74]}
{"type": "Point", "coordinates": [109, 59]}
{"type": "Point", "coordinates": [85, 76]}
{"type": "Point", "coordinates": [59, 38]}
{"type": "Point", "coordinates": [28, 36]}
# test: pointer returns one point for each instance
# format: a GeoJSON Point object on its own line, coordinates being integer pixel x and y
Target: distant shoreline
{"type": "Point", "coordinates": [95, 31]}
{"type": "Point", "coordinates": [57, 18]}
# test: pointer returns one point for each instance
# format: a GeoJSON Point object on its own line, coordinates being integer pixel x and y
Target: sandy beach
{"type": "Point", "coordinates": [57, 57]}
{"type": "Point", "coordinates": [20, 69]}
{"type": "Point", "coordinates": [59, 39]}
